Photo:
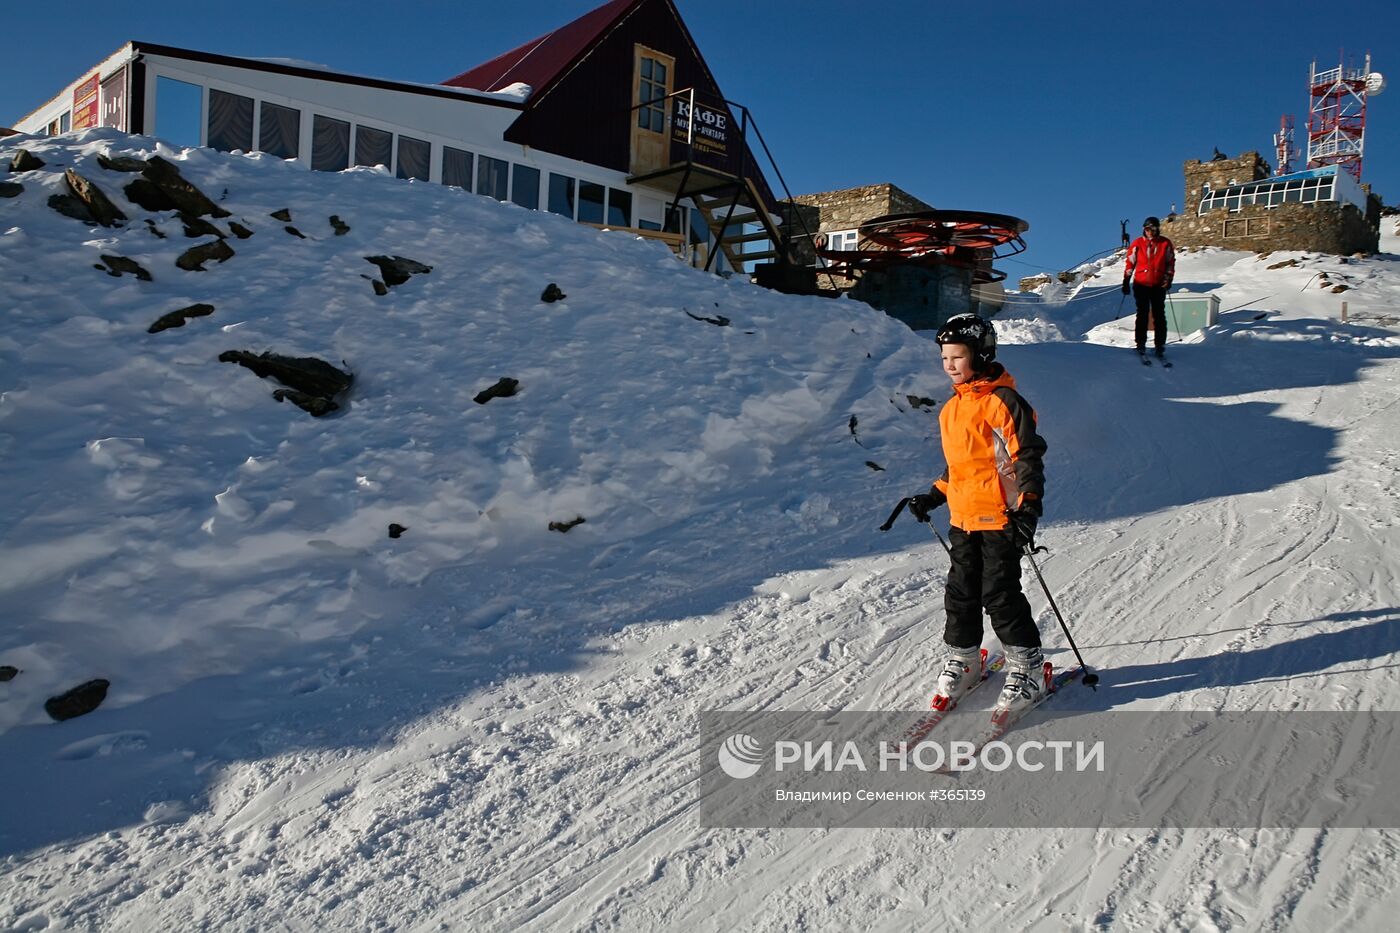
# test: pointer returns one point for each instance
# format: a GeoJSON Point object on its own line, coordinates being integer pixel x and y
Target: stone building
{"type": "Point", "coordinates": [1238, 204]}
{"type": "Point", "coordinates": [837, 215]}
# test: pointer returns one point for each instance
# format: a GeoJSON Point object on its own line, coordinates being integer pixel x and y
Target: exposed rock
{"type": "Point", "coordinates": [1338, 289]}
{"type": "Point", "coordinates": [396, 269]}
{"type": "Point", "coordinates": [101, 208]}
{"type": "Point", "coordinates": [719, 320]}
{"type": "Point", "coordinates": [918, 401]}
{"type": "Point", "coordinates": [1284, 264]}
{"type": "Point", "coordinates": [10, 189]}
{"type": "Point", "coordinates": [198, 227]}
{"type": "Point", "coordinates": [563, 527]}
{"type": "Point", "coordinates": [187, 198]}
{"type": "Point", "coordinates": [379, 287]}
{"type": "Point", "coordinates": [149, 196]}
{"type": "Point", "coordinates": [304, 374]}
{"type": "Point", "coordinates": [1031, 282]}
{"type": "Point", "coordinates": [294, 232]}
{"type": "Point", "coordinates": [239, 230]}
{"type": "Point", "coordinates": [341, 227]}
{"type": "Point", "coordinates": [314, 404]}
{"type": "Point", "coordinates": [505, 387]}
{"type": "Point", "coordinates": [155, 231]}
{"type": "Point", "coordinates": [69, 206]}
{"type": "Point", "coordinates": [8, 673]}
{"type": "Point", "coordinates": [178, 318]}
{"type": "Point", "coordinates": [117, 265]}
{"type": "Point", "coordinates": [121, 163]}
{"type": "Point", "coordinates": [1066, 278]}
{"type": "Point", "coordinates": [79, 701]}
{"type": "Point", "coordinates": [194, 258]}
{"type": "Point", "coordinates": [284, 215]}
{"type": "Point", "coordinates": [396, 530]}
{"type": "Point", "coordinates": [874, 466]}
{"type": "Point", "coordinates": [552, 292]}
{"type": "Point", "coordinates": [25, 161]}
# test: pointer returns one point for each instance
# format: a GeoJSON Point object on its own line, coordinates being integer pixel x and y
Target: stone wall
{"type": "Point", "coordinates": [1323, 226]}
{"type": "Point", "coordinates": [846, 209]}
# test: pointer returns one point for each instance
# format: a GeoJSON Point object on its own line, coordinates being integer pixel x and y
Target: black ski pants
{"type": "Point", "coordinates": [986, 573]}
{"type": "Point", "coordinates": [1153, 299]}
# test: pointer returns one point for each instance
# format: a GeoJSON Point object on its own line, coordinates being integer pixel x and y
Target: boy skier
{"type": "Point", "coordinates": [993, 485]}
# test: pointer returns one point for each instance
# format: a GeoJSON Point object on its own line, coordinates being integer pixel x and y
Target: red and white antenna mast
{"type": "Point", "coordinates": [1337, 115]}
{"type": "Point", "coordinates": [1283, 145]}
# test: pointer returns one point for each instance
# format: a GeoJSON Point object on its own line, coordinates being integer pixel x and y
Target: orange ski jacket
{"type": "Point", "coordinates": [993, 452]}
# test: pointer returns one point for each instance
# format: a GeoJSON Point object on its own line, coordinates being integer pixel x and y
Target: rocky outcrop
{"type": "Point", "coordinates": [396, 269]}
{"type": "Point", "coordinates": [98, 206]}
{"type": "Point", "coordinates": [8, 672]}
{"type": "Point", "coordinates": [121, 163]}
{"type": "Point", "coordinates": [79, 701]}
{"type": "Point", "coordinates": [10, 189]}
{"type": "Point", "coordinates": [161, 188]}
{"type": "Point", "coordinates": [283, 214]}
{"type": "Point", "coordinates": [25, 161]}
{"type": "Point", "coordinates": [552, 292]}
{"type": "Point", "coordinates": [563, 527]}
{"type": "Point", "coordinates": [178, 318]}
{"type": "Point", "coordinates": [120, 265]}
{"type": "Point", "coordinates": [194, 258]}
{"type": "Point", "coordinates": [313, 383]}
{"type": "Point", "coordinates": [339, 226]}
{"type": "Point", "coordinates": [198, 227]}
{"type": "Point", "coordinates": [505, 387]}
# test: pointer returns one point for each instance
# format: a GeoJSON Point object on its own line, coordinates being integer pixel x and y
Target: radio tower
{"type": "Point", "coordinates": [1283, 145]}
{"type": "Point", "coordinates": [1337, 116]}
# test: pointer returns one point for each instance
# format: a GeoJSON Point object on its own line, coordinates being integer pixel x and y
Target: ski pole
{"type": "Point", "coordinates": [889, 523]}
{"type": "Point", "coordinates": [1090, 678]}
{"type": "Point", "coordinates": [1175, 323]}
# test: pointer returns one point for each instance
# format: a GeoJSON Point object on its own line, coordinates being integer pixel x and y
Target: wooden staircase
{"type": "Point", "coordinates": [731, 212]}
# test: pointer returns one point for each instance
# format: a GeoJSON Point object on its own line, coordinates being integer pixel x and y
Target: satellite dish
{"type": "Point", "coordinates": [1375, 83]}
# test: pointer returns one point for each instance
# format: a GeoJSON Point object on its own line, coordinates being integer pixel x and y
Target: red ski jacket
{"type": "Point", "coordinates": [1151, 262]}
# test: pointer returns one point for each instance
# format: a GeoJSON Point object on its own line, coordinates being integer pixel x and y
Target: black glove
{"type": "Point", "coordinates": [1021, 523]}
{"type": "Point", "coordinates": [921, 505]}
{"type": "Point", "coordinates": [1126, 289]}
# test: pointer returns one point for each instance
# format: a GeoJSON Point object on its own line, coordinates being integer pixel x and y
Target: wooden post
{"type": "Point", "coordinates": [1344, 312]}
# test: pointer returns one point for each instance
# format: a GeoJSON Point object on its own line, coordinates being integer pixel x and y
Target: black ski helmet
{"type": "Point", "coordinates": [973, 332]}
{"type": "Point", "coordinates": [1152, 222]}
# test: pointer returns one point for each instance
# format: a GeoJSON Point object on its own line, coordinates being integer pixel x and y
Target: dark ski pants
{"type": "Point", "coordinates": [1150, 299]}
{"type": "Point", "coordinates": [986, 573]}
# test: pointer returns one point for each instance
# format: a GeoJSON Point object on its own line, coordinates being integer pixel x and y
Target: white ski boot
{"type": "Point", "coordinates": [1027, 680]}
{"type": "Point", "coordinates": [961, 673]}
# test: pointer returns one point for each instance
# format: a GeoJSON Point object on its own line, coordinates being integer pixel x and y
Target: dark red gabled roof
{"type": "Point", "coordinates": [541, 61]}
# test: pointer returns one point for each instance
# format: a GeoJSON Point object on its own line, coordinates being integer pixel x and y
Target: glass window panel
{"type": "Point", "coordinates": [658, 73]}
{"type": "Point", "coordinates": [648, 225]}
{"type": "Point", "coordinates": [646, 68]}
{"type": "Point", "coordinates": [525, 187]}
{"type": "Point", "coordinates": [279, 131]}
{"type": "Point", "coordinates": [179, 111]}
{"type": "Point", "coordinates": [492, 177]}
{"type": "Point", "coordinates": [1325, 191]}
{"type": "Point", "coordinates": [643, 119]}
{"type": "Point", "coordinates": [699, 231]}
{"type": "Point", "coordinates": [65, 122]}
{"type": "Point", "coordinates": [230, 121]}
{"type": "Point", "coordinates": [590, 202]}
{"type": "Point", "coordinates": [658, 121]}
{"type": "Point", "coordinates": [561, 195]}
{"type": "Point", "coordinates": [373, 146]}
{"type": "Point", "coordinates": [1292, 194]}
{"type": "Point", "coordinates": [675, 219]}
{"type": "Point", "coordinates": [457, 168]}
{"type": "Point", "coordinates": [330, 144]}
{"type": "Point", "coordinates": [415, 156]}
{"type": "Point", "coordinates": [619, 208]}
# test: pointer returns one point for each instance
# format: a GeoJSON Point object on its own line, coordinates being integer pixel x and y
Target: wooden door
{"type": "Point", "coordinates": [652, 80]}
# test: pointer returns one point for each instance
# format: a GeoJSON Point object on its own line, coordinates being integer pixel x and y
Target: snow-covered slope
{"type": "Point", "coordinates": [487, 724]}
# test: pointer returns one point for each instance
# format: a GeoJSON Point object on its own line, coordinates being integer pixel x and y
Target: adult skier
{"type": "Point", "coordinates": [993, 485]}
{"type": "Point", "coordinates": [1150, 267]}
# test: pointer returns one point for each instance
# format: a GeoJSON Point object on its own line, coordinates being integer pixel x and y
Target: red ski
{"type": "Point", "coordinates": [915, 733]}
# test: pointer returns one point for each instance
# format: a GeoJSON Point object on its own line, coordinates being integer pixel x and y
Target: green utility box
{"type": "Point", "coordinates": [1188, 313]}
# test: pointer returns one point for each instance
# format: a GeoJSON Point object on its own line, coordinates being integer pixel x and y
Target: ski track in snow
{"type": "Point", "coordinates": [521, 751]}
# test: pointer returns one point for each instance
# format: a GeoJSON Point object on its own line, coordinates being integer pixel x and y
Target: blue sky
{"type": "Point", "coordinates": [1072, 116]}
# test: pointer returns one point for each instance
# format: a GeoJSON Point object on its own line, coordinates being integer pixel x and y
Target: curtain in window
{"type": "Point", "coordinates": [415, 155]}
{"type": "Point", "coordinates": [525, 188]}
{"type": "Point", "coordinates": [457, 167]}
{"type": "Point", "coordinates": [373, 147]}
{"type": "Point", "coordinates": [330, 144]}
{"type": "Point", "coordinates": [491, 177]}
{"type": "Point", "coordinates": [279, 131]}
{"type": "Point", "coordinates": [230, 121]}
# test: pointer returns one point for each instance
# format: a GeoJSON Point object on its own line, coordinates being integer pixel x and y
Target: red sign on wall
{"type": "Point", "coordinates": [85, 104]}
